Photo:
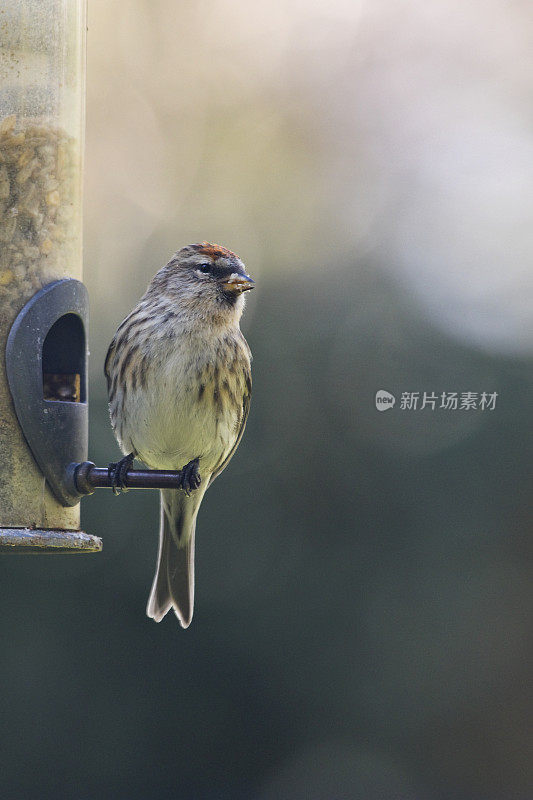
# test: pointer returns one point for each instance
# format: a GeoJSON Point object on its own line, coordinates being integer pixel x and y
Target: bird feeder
{"type": "Point", "coordinates": [43, 305]}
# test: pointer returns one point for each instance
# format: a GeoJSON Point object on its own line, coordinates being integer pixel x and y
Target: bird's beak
{"type": "Point", "coordinates": [238, 282]}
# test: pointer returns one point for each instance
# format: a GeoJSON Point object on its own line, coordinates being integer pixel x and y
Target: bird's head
{"type": "Point", "coordinates": [207, 278]}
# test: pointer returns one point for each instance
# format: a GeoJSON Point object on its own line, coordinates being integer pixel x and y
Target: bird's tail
{"type": "Point", "coordinates": [173, 585]}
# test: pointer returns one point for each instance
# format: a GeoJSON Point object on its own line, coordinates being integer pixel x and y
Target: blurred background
{"type": "Point", "coordinates": [363, 624]}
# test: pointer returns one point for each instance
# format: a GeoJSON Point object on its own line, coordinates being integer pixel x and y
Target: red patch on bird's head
{"type": "Point", "coordinates": [214, 251]}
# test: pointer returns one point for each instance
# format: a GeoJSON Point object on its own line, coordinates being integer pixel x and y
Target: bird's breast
{"type": "Point", "coordinates": [190, 405]}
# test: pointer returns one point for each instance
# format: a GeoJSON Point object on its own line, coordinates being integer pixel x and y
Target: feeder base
{"type": "Point", "coordinates": [29, 540]}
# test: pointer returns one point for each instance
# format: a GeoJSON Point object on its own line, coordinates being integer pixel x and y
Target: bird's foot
{"type": "Point", "coordinates": [118, 473]}
{"type": "Point", "coordinates": [190, 477]}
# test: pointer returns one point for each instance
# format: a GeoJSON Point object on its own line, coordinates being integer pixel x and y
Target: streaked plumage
{"type": "Point", "coordinates": [179, 382]}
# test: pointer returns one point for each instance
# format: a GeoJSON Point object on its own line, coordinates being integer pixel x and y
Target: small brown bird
{"type": "Point", "coordinates": [179, 384]}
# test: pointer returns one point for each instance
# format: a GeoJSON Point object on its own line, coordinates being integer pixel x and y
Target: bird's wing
{"type": "Point", "coordinates": [245, 409]}
{"type": "Point", "coordinates": [120, 338]}
{"type": "Point", "coordinates": [107, 364]}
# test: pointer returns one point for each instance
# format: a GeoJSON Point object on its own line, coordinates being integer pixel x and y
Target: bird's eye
{"type": "Point", "coordinates": [204, 268]}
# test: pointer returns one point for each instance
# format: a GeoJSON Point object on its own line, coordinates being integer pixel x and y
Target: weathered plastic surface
{"type": "Point", "coordinates": [42, 62]}
{"type": "Point", "coordinates": [24, 540]}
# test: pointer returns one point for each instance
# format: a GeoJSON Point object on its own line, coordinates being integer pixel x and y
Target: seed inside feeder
{"type": "Point", "coordinates": [39, 188]}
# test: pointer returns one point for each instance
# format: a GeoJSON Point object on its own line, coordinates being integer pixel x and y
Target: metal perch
{"type": "Point", "coordinates": [88, 477]}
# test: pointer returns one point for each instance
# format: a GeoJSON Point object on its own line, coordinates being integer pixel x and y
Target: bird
{"type": "Point", "coordinates": [179, 385]}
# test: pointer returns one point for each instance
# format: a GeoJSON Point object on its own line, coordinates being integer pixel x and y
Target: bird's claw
{"type": "Point", "coordinates": [190, 477]}
{"type": "Point", "coordinates": [118, 473]}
